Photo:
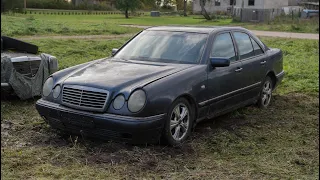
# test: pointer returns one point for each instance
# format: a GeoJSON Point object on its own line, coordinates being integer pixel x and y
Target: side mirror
{"type": "Point", "coordinates": [219, 62]}
{"type": "Point", "coordinates": [114, 51]}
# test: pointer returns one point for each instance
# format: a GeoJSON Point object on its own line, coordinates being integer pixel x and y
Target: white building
{"type": "Point", "coordinates": [212, 6]}
{"type": "Point", "coordinates": [225, 5]}
{"type": "Point", "coordinates": [266, 4]}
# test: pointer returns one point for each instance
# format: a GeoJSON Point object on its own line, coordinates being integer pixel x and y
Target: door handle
{"type": "Point", "coordinates": [263, 62]}
{"type": "Point", "coordinates": [238, 70]}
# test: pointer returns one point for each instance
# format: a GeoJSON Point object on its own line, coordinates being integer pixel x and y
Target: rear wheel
{"type": "Point", "coordinates": [266, 93]}
{"type": "Point", "coordinates": [178, 122]}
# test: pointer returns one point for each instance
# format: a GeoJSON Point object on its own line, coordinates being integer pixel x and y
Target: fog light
{"type": "Point", "coordinates": [118, 102]}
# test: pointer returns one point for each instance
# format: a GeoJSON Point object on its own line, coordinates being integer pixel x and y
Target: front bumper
{"type": "Point", "coordinates": [103, 126]}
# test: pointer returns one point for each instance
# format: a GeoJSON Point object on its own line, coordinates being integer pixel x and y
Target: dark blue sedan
{"type": "Point", "coordinates": [161, 83]}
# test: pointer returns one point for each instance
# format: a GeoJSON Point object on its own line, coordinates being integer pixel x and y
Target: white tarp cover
{"type": "Point", "coordinates": [23, 86]}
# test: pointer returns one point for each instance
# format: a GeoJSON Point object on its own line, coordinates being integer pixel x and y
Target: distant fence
{"type": "Point", "coordinates": [261, 15]}
{"type": "Point", "coordinates": [90, 12]}
{"type": "Point", "coordinates": [76, 12]}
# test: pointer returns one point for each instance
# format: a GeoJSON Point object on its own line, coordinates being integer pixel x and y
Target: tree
{"type": "Point", "coordinates": [148, 4]}
{"type": "Point", "coordinates": [126, 5]}
{"type": "Point", "coordinates": [167, 2]}
{"type": "Point", "coordinates": [185, 7]}
{"type": "Point", "coordinates": [182, 4]}
{"type": "Point", "coordinates": [179, 4]}
{"type": "Point", "coordinates": [7, 5]}
{"type": "Point", "coordinates": [232, 8]}
{"type": "Point", "coordinates": [203, 9]}
{"type": "Point", "coordinates": [158, 3]}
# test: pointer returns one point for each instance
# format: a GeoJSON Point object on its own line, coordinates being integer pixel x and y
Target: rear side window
{"type": "Point", "coordinates": [244, 45]}
{"type": "Point", "coordinates": [223, 47]}
{"type": "Point", "coordinates": [256, 47]}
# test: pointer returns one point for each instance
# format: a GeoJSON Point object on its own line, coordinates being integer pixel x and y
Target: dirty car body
{"type": "Point", "coordinates": [137, 94]}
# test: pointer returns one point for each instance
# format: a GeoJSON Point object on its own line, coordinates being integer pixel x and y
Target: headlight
{"type": "Point", "coordinates": [47, 87]}
{"type": "Point", "coordinates": [137, 100]}
{"type": "Point", "coordinates": [118, 102]}
{"type": "Point", "coordinates": [56, 91]}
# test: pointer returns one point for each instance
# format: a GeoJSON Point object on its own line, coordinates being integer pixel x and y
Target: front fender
{"type": "Point", "coordinates": [161, 93]}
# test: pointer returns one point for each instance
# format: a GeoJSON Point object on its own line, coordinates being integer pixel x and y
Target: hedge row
{"type": "Point", "coordinates": [78, 13]}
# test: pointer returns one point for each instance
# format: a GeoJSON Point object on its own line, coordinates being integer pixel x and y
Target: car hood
{"type": "Point", "coordinates": [113, 74]}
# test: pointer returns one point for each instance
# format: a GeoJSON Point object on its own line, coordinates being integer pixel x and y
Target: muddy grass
{"type": "Point", "coordinates": [279, 142]}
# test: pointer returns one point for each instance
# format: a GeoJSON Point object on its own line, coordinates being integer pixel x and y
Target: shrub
{"type": "Point", "coordinates": [53, 4]}
{"type": "Point", "coordinates": [11, 5]}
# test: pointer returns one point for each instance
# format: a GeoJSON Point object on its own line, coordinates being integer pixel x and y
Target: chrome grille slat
{"type": "Point", "coordinates": [85, 98]}
{"type": "Point", "coordinates": [70, 95]}
{"type": "Point", "coordinates": [96, 94]}
{"type": "Point", "coordinates": [91, 100]}
{"type": "Point", "coordinates": [92, 97]}
{"type": "Point", "coordinates": [73, 90]}
{"type": "Point", "coordinates": [71, 99]}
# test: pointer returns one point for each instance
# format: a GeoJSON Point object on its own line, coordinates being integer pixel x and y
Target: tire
{"type": "Point", "coordinates": [265, 93]}
{"type": "Point", "coordinates": [182, 126]}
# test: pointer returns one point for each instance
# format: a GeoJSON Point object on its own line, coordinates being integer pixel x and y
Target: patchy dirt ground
{"type": "Point", "coordinates": [281, 142]}
{"type": "Point", "coordinates": [277, 143]}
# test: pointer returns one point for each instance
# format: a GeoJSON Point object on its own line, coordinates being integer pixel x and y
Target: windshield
{"type": "Point", "coordinates": [164, 46]}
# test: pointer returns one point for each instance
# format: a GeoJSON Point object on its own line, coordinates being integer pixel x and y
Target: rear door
{"type": "Point", "coordinates": [253, 62]}
{"type": "Point", "coordinates": [260, 60]}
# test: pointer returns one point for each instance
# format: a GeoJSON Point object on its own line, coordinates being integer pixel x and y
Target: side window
{"type": "Point", "coordinates": [244, 45]}
{"type": "Point", "coordinates": [223, 47]}
{"type": "Point", "coordinates": [256, 47]}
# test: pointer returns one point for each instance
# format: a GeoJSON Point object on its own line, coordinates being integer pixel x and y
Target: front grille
{"type": "Point", "coordinates": [84, 98]}
{"type": "Point", "coordinates": [27, 68]}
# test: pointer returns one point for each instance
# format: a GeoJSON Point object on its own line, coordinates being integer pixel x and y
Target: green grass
{"type": "Point", "coordinates": [59, 25]}
{"type": "Point", "coordinates": [72, 52]}
{"type": "Point", "coordinates": [281, 142]}
{"type": "Point", "coordinates": [301, 63]}
{"type": "Point", "coordinates": [40, 24]}
{"type": "Point", "coordinates": [300, 58]}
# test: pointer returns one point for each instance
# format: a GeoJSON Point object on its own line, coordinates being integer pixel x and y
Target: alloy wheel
{"type": "Point", "coordinates": [266, 93]}
{"type": "Point", "coordinates": [179, 121]}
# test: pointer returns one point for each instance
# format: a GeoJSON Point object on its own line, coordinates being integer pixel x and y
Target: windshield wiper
{"type": "Point", "coordinates": [120, 59]}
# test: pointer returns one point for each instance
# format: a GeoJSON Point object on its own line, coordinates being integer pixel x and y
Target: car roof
{"type": "Point", "coordinates": [197, 29]}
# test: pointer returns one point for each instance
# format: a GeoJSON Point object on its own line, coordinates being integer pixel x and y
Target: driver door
{"type": "Point", "coordinates": [224, 83]}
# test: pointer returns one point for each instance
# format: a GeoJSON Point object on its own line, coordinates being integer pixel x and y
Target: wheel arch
{"type": "Point", "coordinates": [191, 101]}
{"type": "Point", "coordinates": [273, 77]}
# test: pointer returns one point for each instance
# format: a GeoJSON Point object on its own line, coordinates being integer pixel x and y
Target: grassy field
{"type": "Point", "coordinates": [21, 25]}
{"type": "Point", "coordinates": [281, 142]}
{"type": "Point", "coordinates": [40, 24]}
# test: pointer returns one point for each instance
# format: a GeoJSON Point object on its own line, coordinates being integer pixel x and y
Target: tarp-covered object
{"type": "Point", "coordinates": [25, 87]}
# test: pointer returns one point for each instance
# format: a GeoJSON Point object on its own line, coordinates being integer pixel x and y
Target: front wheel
{"type": "Point", "coordinates": [266, 93]}
{"type": "Point", "coordinates": [178, 122]}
